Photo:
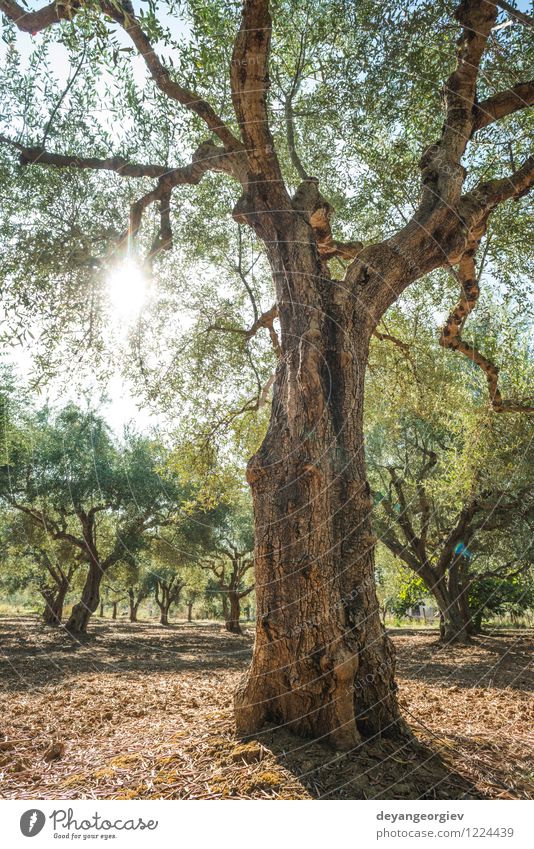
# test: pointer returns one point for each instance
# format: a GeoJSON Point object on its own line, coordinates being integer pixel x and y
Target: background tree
{"type": "Point", "coordinates": [452, 484]}
{"type": "Point", "coordinates": [73, 482]}
{"type": "Point", "coordinates": [139, 587]}
{"type": "Point", "coordinates": [168, 588]}
{"type": "Point", "coordinates": [31, 560]}
{"type": "Point", "coordinates": [230, 559]}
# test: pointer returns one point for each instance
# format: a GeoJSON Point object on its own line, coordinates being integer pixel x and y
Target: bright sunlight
{"type": "Point", "coordinates": [128, 290]}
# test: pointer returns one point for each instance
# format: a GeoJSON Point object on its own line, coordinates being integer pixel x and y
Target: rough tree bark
{"type": "Point", "coordinates": [89, 602]}
{"type": "Point", "coordinates": [232, 623]}
{"type": "Point", "coordinates": [54, 599]}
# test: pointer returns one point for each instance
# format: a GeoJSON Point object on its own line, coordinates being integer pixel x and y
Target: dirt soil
{"type": "Point", "coordinates": [143, 712]}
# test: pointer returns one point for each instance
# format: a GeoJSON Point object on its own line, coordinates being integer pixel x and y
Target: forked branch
{"type": "Point", "coordinates": [123, 14]}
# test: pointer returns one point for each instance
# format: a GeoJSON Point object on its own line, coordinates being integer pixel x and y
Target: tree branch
{"type": "Point", "coordinates": [451, 333]}
{"type": "Point", "coordinates": [160, 75]}
{"type": "Point", "coordinates": [265, 320]}
{"type": "Point", "coordinates": [54, 13]}
{"type": "Point", "coordinates": [521, 96]}
{"type": "Point", "coordinates": [38, 155]}
{"type": "Point", "coordinates": [442, 172]}
{"type": "Point", "coordinates": [34, 22]}
{"type": "Point", "coordinates": [250, 84]}
{"type": "Point", "coordinates": [308, 200]}
{"type": "Point", "coordinates": [516, 14]}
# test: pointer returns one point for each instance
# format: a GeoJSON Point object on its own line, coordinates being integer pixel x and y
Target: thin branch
{"type": "Point", "coordinates": [68, 87]}
{"type": "Point", "coordinates": [38, 155]}
{"type": "Point", "coordinates": [265, 320]}
{"type": "Point", "coordinates": [516, 14]}
{"type": "Point", "coordinates": [451, 333]}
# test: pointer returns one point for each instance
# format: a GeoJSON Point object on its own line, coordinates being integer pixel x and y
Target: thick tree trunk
{"type": "Point", "coordinates": [54, 601]}
{"type": "Point", "coordinates": [164, 618]}
{"type": "Point", "coordinates": [322, 663]}
{"type": "Point", "coordinates": [232, 623]}
{"type": "Point", "coordinates": [225, 607]}
{"type": "Point", "coordinates": [82, 612]}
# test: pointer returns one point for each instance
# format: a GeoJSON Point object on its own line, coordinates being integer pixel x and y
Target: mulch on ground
{"type": "Point", "coordinates": [143, 712]}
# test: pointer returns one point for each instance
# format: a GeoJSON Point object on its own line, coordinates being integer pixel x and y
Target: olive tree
{"type": "Point", "coordinates": [342, 74]}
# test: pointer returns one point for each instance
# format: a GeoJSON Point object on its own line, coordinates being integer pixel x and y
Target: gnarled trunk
{"type": "Point", "coordinates": [454, 624]}
{"type": "Point", "coordinates": [82, 612]}
{"type": "Point", "coordinates": [54, 601]}
{"type": "Point", "coordinates": [322, 663]}
{"type": "Point", "coordinates": [232, 623]}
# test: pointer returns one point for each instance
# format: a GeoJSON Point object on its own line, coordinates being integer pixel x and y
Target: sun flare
{"type": "Point", "coordinates": [127, 290]}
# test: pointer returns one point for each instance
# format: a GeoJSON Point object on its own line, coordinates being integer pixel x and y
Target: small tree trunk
{"type": "Point", "coordinates": [225, 607]}
{"type": "Point", "coordinates": [453, 626]}
{"type": "Point", "coordinates": [82, 612]}
{"type": "Point", "coordinates": [476, 622]}
{"type": "Point", "coordinates": [101, 609]}
{"type": "Point", "coordinates": [190, 611]}
{"type": "Point", "coordinates": [232, 623]}
{"type": "Point", "coordinates": [114, 613]}
{"type": "Point", "coordinates": [54, 601]}
{"type": "Point", "coordinates": [164, 603]}
{"type": "Point", "coordinates": [134, 605]}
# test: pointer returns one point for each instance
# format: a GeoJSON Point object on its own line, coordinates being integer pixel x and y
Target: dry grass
{"type": "Point", "coordinates": [141, 711]}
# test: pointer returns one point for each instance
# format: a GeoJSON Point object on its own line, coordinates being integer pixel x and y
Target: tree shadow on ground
{"type": "Point", "coordinates": [145, 712]}
{"type": "Point", "coordinates": [501, 661]}
{"type": "Point", "coordinates": [33, 655]}
{"type": "Point", "coordinates": [375, 769]}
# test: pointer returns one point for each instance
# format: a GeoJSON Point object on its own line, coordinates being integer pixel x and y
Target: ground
{"type": "Point", "coordinates": [143, 711]}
